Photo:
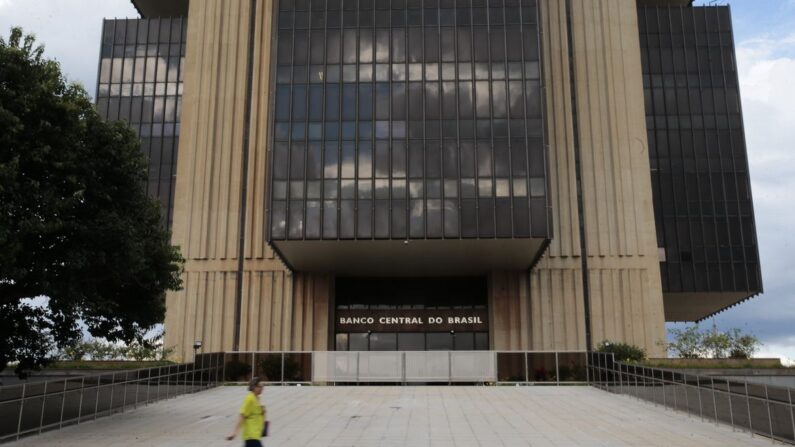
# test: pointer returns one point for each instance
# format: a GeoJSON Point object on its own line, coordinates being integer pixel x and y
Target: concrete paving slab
{"type": "Point", "coordinates": [407, 416]}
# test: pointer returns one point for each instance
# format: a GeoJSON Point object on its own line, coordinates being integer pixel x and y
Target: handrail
{"type": "Point", "coordinates": [35, 407]}
{"type": "Point", "coordinates": [760, 409]}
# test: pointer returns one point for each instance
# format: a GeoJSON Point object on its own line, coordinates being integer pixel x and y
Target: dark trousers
{"type": "Point", "coordinates": [252, 443]}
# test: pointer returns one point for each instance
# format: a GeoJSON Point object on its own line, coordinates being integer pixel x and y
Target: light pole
{"type": "Point", "coordinates": [196, 346]}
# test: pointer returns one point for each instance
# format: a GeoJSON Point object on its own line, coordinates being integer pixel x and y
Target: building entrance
{"type": "Point", "coordinates": [411, 314]}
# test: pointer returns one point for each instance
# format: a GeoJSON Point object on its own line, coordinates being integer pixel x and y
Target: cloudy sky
{"type": "Point", "coordinates": [765, 36]}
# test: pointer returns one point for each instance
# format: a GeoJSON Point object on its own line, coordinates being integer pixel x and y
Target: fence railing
{"type": "Point", "coordinates": [32, 408]}
{"type": "Point", "coordinates": [337, 367]}
{"type": "Point", "coordinates": [758, 408]}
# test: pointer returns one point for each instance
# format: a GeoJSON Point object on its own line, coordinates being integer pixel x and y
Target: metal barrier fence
{"type": "Point", "coordinates": [32, 408]}
{"type": "Point", "coordinates": [761, 409]}
{"type": "Point", "coordinates": [407, 367]}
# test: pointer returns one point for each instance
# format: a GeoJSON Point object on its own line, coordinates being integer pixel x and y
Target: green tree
{"type": "Point", "coordinates": [743, 346]}
{"type": "Point", "coordinates": [717, 344]}
{"type": "Point", "coordinates": [687, 343]}
{"type": "Point", "coordinates": [76, 225]}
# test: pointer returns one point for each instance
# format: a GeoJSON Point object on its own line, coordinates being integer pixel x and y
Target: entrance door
{"type": "Point", "coordinates": [411, 314]}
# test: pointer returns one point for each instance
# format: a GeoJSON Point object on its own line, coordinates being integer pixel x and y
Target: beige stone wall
{"type": "Point", "coordinates": [623, 268]}
{"type": "Point", "coordinates": [626, 294]}
{"type": "Point", "coordinates": [542, 310]}
{"type": "Point", "coordinates": [208, 199]}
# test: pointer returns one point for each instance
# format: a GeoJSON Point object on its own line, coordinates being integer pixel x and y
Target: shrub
{"type": "Point", "coordinates": [98, 349]}
{"type": "Point", "coordinates": [692, 343]}
{"type": "Point", "coordinates": [623, 352]}
{"type": "Point", "coordinates": [75, 352]}
{"type": "Point", "coordinates": [140, 349]}
{"type": "Point", "coordinates": [717, 344]}
{"type": "Point", "coordinates": [687, 344]}
{"type": "Point", "coordinates": [743, 346]}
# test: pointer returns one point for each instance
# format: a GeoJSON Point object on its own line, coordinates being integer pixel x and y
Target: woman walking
{"type": "Point", "coordinates": [252, 417]}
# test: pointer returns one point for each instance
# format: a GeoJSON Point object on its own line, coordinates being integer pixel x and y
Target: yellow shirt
{"type": "Point", "coordinates": [254, 414]}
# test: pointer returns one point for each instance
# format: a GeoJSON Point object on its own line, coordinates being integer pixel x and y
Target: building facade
{"type": "Point", "coordinates": [440, 174]}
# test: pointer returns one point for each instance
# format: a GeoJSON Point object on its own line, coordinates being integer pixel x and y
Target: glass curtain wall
{"type": "Point", "coordinates": [407, 119]}
{"type": "Point", "coordinates": [702, 198]}
{"type": "Point", "coordinates": [140, 82]}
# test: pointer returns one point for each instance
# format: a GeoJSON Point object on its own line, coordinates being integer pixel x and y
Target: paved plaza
{"type": "Point", "coordinates": [407, 416]}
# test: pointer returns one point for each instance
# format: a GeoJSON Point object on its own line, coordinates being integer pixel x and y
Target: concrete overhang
{"type": "Point", "coordinates": [413, 258]}
{"type": "Point", "coordinates": [161, 8]}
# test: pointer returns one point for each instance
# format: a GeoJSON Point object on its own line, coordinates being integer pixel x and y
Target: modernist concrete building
{"type": "Point", "coordinates": [439, 174]}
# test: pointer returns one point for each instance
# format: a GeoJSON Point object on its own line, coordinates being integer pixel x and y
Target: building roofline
{"type": "Point", "coordinates": [179, 8]}
{"type": "Point", "coordinates": [665, 2]}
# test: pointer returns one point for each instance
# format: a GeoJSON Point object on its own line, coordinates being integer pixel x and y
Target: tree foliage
{"type": "Point", "coordinates": [141, 349]}
{"type": "Point", "coordinates": [686, 343]}
{"type": "Point", "coordinates": [693, 343]}
{"type": "Point", "coordinates": [743, 346]}
{"type": "Point", "coordinates": [76, 225]}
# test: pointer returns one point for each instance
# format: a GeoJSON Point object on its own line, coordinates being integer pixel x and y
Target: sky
{"type": "Point", "coordinates": [765, 38]}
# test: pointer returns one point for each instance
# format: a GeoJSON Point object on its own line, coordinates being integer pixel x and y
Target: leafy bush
{"type": "Point", "coordinates": [687, 344]}
{"type": "Point", "coordinates": [717, 344]}
{"type": "Point", "coordinates": [140, 349]}
{"type": "Point", "coordinates": [623, 352]}
{"type": "Point", "coordinates": [693, 343]}
{"type": "Point", "coordinates": [75, 352]}
{"type": "Point", "coordinates": [743, 346]}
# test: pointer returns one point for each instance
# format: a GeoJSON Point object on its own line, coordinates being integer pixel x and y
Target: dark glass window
{"type": "Point", "coordinates": [433, 91]}
{"type": "Point", "coordinates": [439, 341]}
{"type": "Point", "coordinates": [383, 341]}
{"type": "Point", "coordinates": [140, 82]}
{"type": "Point", "coordinates": [411, 341]}
{"type": "Point", "coordinates": [358, 342]}
{"type": "Point", "coordinates": [697, 151]}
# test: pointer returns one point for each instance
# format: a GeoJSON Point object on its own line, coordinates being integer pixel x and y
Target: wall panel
{"type": "Point", "coordinates": [623, 271]}
{"type": "Point", "coordinates": [208, 203]}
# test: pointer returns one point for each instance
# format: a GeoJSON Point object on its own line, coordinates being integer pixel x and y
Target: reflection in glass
{"type": "Point", "coordinates": [454, 98]}
{"type": "Point", "coordinates": [358, 342]}
{"type": "Point", "coordinates": [383, 341]}
{"type": "Point", "coordinates": [411, 341]}
{"type": "Point", "coordinates": [439, 341]}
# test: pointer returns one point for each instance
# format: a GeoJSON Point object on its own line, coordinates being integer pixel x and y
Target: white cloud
{"type": "Point", "coordinates": [69, 29]}
{"type": "Point", "coordinates": [766, 66]}
{"type": "Point", "coordinates": [766, 72]}
{"type": "Point", "coordinates": [783, 348]}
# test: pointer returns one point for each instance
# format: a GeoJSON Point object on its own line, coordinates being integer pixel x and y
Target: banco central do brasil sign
{"type": "Point", "coordinates": [411, 320]}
